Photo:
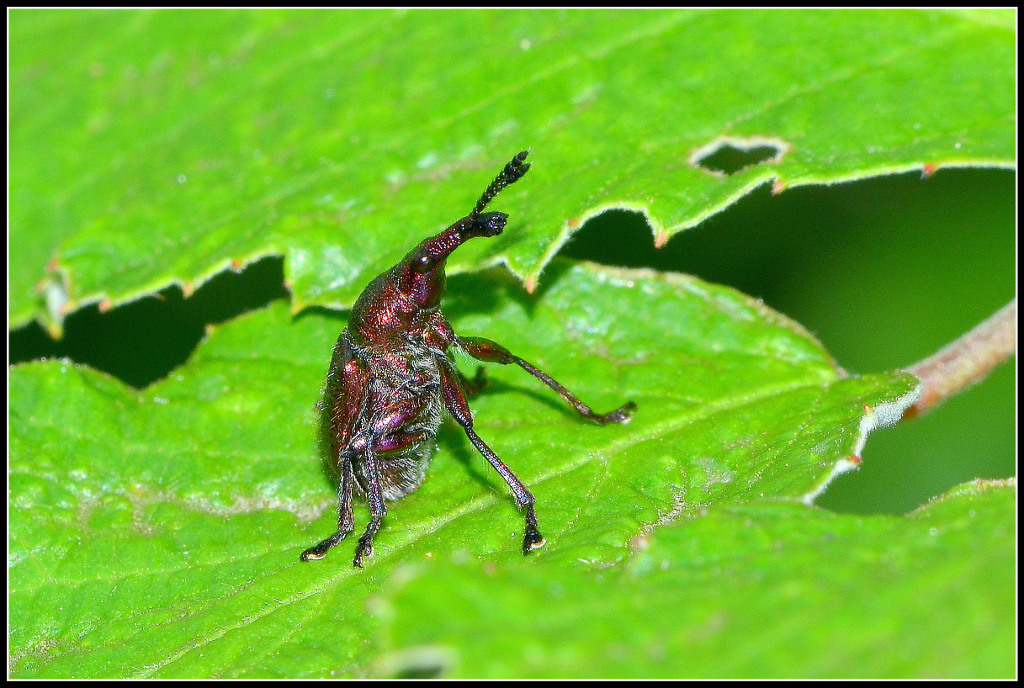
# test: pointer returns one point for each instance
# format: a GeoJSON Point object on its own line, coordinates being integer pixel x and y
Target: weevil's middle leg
{"type": "Point", "coordinates": [532, 539]}
{"type": "Point", "coordinates": [486, 350]}
{"type": "Point", "coordinates": [455, 402]}
{"type": "Point", "coordinates": [383, 435]}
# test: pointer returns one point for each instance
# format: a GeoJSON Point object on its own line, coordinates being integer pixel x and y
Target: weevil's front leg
{"type": "Point", "coordinates": [486, 350]}
{"type": "Point", "coordinates": [455, 402]}
{"type": "Point", "coordinates": [346, 524]}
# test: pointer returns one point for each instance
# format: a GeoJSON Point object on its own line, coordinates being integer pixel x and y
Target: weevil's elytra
{"type": "Point", "coordinates": [392, 375]}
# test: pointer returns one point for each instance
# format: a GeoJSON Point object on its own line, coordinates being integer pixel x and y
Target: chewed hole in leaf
{"type": "Point", "coordinates": [142, 341]}
{"type": "Point", "coordinates": [727, 155]}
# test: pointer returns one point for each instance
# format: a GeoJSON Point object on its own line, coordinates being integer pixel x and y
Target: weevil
{"type": "Point", "coordinates": [392, 375]}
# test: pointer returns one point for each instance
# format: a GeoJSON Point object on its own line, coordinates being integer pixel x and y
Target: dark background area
{"type": "Point", "coordinates": [884, 271]}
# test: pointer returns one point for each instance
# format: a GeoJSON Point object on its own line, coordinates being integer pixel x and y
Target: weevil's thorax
{"type": "Point", "coordinates": [382, 314]}
{"type": "Point", "coordinates": [409, 370]}
{"type": "Point", "coordinates": [402, 345]}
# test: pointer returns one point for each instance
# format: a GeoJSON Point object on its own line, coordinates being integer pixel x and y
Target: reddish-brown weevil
{"type": "Point", "coordinates": [391, 375]}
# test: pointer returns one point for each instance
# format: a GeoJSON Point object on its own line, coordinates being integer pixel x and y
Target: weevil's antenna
{"type": "Point", "coordinates": [513, 172]}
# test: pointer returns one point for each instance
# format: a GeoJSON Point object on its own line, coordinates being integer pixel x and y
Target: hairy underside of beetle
{"type": "Point", "coordinates": [398, 376]}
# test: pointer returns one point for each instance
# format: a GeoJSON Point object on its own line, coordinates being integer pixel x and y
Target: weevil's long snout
{"type": "Point", "coordinates": [418, 281]}
{"type": "Point", "coordinates": [477, 223]}
{"type": "Point", "coordinates": [472, 226]}
{"type": "Point", "coordinates": [421, 274]}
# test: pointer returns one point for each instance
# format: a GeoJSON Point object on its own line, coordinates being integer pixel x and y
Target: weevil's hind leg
{"type": "Point", "coordinates": [378, 510]}
{"type": "Point", "coordinates": [346, 524]}
{"type": "Point", "coordinates": [455, 402]}
{"type": "Point", "coordinates": [486, 350]}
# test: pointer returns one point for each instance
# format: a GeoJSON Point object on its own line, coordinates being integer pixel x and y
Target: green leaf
{"type": "Point", "coordinates": [157, 533]}
{"type": "Point", "coordinates": [765, 589]}
{"type": "Point", "coordinates": [185, 142]}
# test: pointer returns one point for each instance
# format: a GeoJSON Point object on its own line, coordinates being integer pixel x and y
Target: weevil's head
{"type": "Point", "coordinates": [421, 276]}
{"type": "Point", "coordinates": [390, 304]}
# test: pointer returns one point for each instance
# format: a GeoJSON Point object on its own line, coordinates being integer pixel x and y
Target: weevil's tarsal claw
{"type": "Point", "coordinates": [319, 551]}
{"type": "Point", "coordinates": [621, 415]}
{"type": "Point", "coordinates": [363, 549]}
{"type": "Point", "coordinates": [532, 540]}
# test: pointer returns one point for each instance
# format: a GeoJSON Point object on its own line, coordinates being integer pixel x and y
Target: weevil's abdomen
{"type": "Point", "coordinates": [401, 472]}
{"type": "Point", "coordinates": [402, 415]}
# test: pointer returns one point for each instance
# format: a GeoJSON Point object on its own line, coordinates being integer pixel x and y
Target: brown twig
{"type": "Point", "coordinates": [967, 360]}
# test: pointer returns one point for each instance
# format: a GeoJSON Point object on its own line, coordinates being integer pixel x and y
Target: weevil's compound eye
{"type": "Point", "coordinates": [423, 263]}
